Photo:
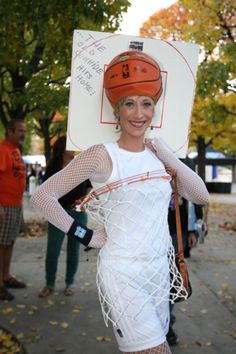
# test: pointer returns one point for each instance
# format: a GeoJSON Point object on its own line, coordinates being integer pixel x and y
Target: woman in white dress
{"type": "Point", "coordinates": [136, 256]}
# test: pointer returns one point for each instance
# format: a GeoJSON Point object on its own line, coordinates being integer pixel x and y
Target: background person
{"type": "Point", "coordinates": [12, 187]}
{"type": "Point", "coordinates": [190, 240]}
{"type": "Point", "coordinates": [136, 249]}
{"type": "Point", "coordinates": [189, 233]}
{"type": "Point", "coordinates": [60, 158]}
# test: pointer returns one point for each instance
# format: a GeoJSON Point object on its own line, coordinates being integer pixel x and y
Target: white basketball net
{"type": "Point", "coordinates": [136, 265]}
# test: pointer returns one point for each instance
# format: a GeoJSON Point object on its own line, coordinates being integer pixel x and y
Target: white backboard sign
{"type": "Point", "coordinates": [91, 120]}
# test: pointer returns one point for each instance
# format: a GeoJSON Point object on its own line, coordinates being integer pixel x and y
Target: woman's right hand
{"type": "Point", "coordinates": [87, 236]}
{"type": "Point", "coordinates": [98, 239]}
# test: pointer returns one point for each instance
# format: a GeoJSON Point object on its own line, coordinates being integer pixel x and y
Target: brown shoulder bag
{"type": "Point", "coordinates": [179, 258]}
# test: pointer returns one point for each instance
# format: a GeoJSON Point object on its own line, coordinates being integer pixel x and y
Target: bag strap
{"type": "Point", "coordinates": [180, 255]}
{"type": "Point", "coordinates": [178, 223]}
{"type": "Point", "coordinates": [177, 211]}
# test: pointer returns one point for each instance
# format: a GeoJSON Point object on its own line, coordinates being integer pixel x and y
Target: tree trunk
{"type": "Point", "coordinates": [44, 128]}
{"type": "Point", "coordinates": [201, 158]}
{"type": "Point", "coordinates": [47, 147]}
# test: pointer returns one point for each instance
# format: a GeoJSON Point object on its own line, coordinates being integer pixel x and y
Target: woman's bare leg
{"type": "Point", "coordinates": [160, 349]}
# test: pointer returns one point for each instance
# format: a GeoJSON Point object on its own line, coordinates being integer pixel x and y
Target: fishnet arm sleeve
{"type": "Point", "coordinates": [94, 164]}
{"type": "Point", "coordinates": [189, 184]}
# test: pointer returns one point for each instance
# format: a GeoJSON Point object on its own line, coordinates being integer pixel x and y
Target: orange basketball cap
{"type": "Point", "coordinates": [132, 73]}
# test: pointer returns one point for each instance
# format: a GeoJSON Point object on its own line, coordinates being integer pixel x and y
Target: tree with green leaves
{"type": "Point", "coordinates": [211, 24]}
{"type": "Point", "coordinates": [35, 55]}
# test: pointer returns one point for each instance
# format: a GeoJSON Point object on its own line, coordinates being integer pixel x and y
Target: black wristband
{"type": "Point", "coordinates": [80, 232]}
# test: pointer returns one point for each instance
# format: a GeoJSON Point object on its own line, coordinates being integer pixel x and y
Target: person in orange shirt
{"type": "Point", "coordinates": [12, 187]}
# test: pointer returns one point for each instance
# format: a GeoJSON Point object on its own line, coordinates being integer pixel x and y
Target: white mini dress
{"type": "Point", "coordinates": [133, 274]}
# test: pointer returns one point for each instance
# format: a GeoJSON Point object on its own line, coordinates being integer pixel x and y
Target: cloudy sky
{"type": "Point", "coordinates": [139, 12]}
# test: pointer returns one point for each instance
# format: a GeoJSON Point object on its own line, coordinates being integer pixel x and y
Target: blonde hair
{"type": "Point", "coordinates": [117, 107]}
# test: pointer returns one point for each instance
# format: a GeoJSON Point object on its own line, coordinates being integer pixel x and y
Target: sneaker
{"type": "Point", "coordinates": [13, 283]}
{"type": "Point", "coordinates": [172, 337]}
{"type": "Point", "coordinates": [5, 295]}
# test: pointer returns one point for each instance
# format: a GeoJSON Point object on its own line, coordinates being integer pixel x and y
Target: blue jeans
{"type": "Point", "coordinates": [54, 244]}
